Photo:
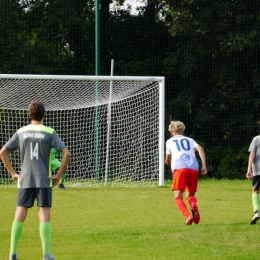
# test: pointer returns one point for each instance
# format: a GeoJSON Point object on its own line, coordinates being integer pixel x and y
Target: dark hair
{"type": "Point", "coordinates": [36, 111]}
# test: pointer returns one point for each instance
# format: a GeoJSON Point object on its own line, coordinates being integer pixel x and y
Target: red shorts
{"type": "Point", "coordinates": [185, 178]}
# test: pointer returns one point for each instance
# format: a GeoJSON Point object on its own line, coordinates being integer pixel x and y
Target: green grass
{"type": "Point", "coordinates": [139, 223]}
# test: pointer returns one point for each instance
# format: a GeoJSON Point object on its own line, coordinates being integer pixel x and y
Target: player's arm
{"type": "Point", "coordinates": [4, 154]}
{"type": "Point", "coordinates": [251, 159]}
{"type": "Point", "coordinates": [202, 155]}
{"type": "Point", "coordinates": [64, 162]}
{"type": "Point", "coordinates": [168, 159]}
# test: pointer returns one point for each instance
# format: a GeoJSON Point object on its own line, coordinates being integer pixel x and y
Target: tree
{"type": "Point", "coordinates": [63, 32]}
{"type": "Point", "coordinates": [217, 65]}
{"type": "Point", "coordinates": [138, 43]}
{"type": "Point", "coordinates": [218, 60]}
{"type": "Point", "coordinates": [13, 37]}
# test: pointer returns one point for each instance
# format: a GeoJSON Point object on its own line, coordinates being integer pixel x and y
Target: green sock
{"type": "Point", "coordinates": [45, 233]}
{"type": "Point", "coordinates": [16, 232]}
{"type": "Point", "coordinates": [62, 179]}
{"type": "Point", "coordinates": [255, 201]}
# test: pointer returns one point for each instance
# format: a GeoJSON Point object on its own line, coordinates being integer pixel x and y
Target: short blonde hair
{"type": "Point", "coordinates": [176, 127]}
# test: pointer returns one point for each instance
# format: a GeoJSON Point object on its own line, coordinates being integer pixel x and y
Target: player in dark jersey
{"type": "Point", "coordinates": [34, 181]}
{"type": "Point", "coordinates": [253, 173]}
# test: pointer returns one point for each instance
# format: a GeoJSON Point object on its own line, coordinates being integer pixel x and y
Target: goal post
{"type": "Point", "coordinates": [112, 125]}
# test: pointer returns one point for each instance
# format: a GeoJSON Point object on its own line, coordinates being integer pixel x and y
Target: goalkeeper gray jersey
{"type": "Point", "coordinates": [254, 147]}
{"type": "Point", "coordinates": [34, 143]}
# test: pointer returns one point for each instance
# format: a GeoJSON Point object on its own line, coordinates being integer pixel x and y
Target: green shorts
{"type": "Point", "coordinates": [55, 164]}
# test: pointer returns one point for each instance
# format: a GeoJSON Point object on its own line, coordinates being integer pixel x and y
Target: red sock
{"type": "Point", "coordinates": [192, 201]}
{"type": "Point", "coordinates": [182, 207]}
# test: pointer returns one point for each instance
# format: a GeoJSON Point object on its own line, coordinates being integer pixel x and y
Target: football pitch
{"type": "Point", "coordinates": [139, 223]}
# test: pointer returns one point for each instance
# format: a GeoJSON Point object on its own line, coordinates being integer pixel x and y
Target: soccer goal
{"type": "Point", "coordinates": [112, 125]}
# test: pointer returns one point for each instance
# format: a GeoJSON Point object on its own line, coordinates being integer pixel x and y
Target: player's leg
{"type": "Point", "coordinates": [55, 165]}
{"type": "Point", "coordinates": [62, 181]}
{"type": "Point", "coordinates": [194, 207]}
{"type": "Point", "coordinates": [44, 201]}
{"type": "Point", "coordinates": [25, 199]}
{"type": "Point", "coordinates": [255, 199]}
{"type": "Point", "coordinates": [45, 230]}
{"type": "Point", "coordinates": [16, 230]}
{"type": "Point", "coordinates": [192, 184]}
{"type": "Point", "coordinates": [178, 187]}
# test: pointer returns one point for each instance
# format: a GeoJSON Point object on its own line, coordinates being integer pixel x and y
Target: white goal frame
{"type": "Point", "coordinates": [111, 79]}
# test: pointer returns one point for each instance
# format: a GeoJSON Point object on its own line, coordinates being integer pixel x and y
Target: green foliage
{"type": "Point", "coordinates": [215, 64]}
{"type": "Point", "coordinates": [12, 37]}
{"type": "Point", "coordinates": [207, 50]}
{"type": "Point", "coordinates": [227, 163]}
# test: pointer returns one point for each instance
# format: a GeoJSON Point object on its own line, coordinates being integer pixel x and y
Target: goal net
{"type": "Point", "coordinates": [113, 126]}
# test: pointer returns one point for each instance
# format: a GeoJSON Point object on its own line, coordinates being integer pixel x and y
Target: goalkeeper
{"type": "Point", "coordinates": [55, 165]}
